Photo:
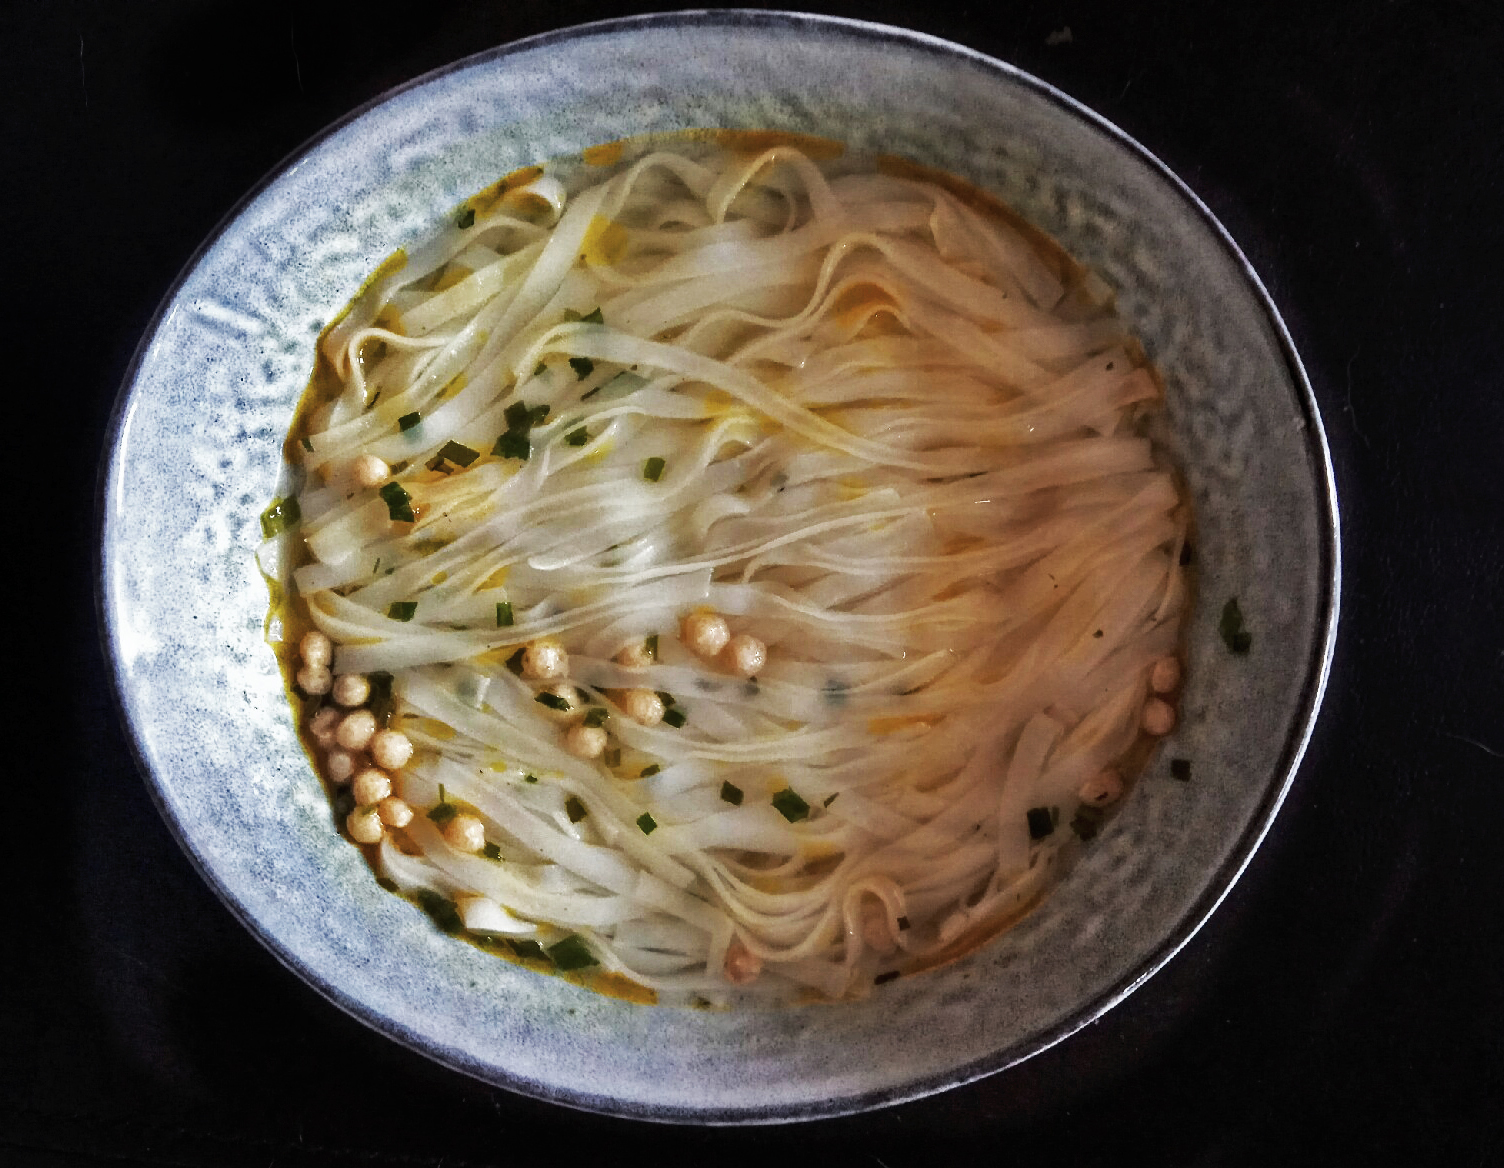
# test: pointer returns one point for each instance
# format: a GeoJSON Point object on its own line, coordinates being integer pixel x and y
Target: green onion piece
{"type": "Point", "coordinates": [529, 778]}
{"type": "Point", "coordinates": [516, 415]}
{"type": "Point", "coordinates": [402, 610]}
{"type": "Point", "coordinates": [441, 910]}
{"type": "Point", "coordinates": [1180, 768]}
{"type": "Point", "coordinates": [398, 502]}
{"type": "Point", "coordinates": [537, 415]}
{"type": "Point", "coordinates": [884, 978]}
{"type": "Point", "coordinates": [612, 757]}
{"type": "Point", "coordinates": [1098, 633]}
{"type": "Point", "coordinates": [525, 948]}
{"type": "Point", "coordinates": [652, 647]}
{"type": "Point", "coordinates": [597, 716]}
{"type": "Point", "coordinates": [593, 317]}
{"type": "Point", "coordinates": [491, 852]}
{"type": "Point", "coordinates": [577, 437]}
{"type": "Point", "coordinates": [648, 824]}
{"type": "Point", "coordinates": [832, 799]}
{"type": "Point", "coordinates": [541, 370]}
{"type": "Point", "coordinates": [652, 469]}
{"type": "Point", "coordinates": [307, 443]}
{"type": "Point", "coordinates": [1238, 639]}
{"type": "Point", "coordinates": [574, 809]}
{"type": "Point", "coordinates": [583, 367]}
{"type": "Point", "coordinates": [1040, 823]}
{"type": "Point", "coordinates": [386, 882]}
{"type": "Point", "coordinates": [442, 813]}
{"type": "Point", "coordinates": [407, 421]}
{"type": "Point", "coordinates": [732, 794]}
{"type": "Point", "coordinates": [552, 700]}
{"type": "Point", "coordinates": [281, 515]}
{"type": "Point", "coordinates": [571, 953]}
{"type": "Point", "coordinates": [513, 444]}
{"type": "Point", "coordinates": [457, 453]}
{"type": "Point", "coordinates": [1088, 822]}
{"type": "Point", "coordinates": [674, 718]}
{"type": "Point", "coordinates": [514, 662]}
{"type": "Point", "coordinates": [649, 771]}
{"type": "Point", "coordinates": [903, 923]}
{"type": "Point", "coordinates": [663, 695]}
{"type": "Point", "coordinates": [381, 703]}
{"type": "Point", "coordinates": [466, 218]}
{"type": "Point", "coordinates": [790, 806]}
{"type": "Point", "coordinates": [503, 613]}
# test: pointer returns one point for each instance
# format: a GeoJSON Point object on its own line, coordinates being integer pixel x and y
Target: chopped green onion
{"type": "Point", "coordinates": [514, 662]}
{"type": "Point", "coordinates": [1098, 633]}
{"type": "Point", "coordinates": [832, 799]}
{"type": "Point", "coordinates": [583, 367]}
{"type": "Point", "coordinates": [648, 824]}
{"type": "Point", "coordinates": [402, 610]}
{"type": "Point", "coordinates": [790, 805]}
{"type": "Point", "coordinates": [731, 793]}
{"type": "Point", "coordinates": [652, 647]}
{"type": "Point", "coordinates": [441, 910]}
{"type": "Point", "coordinates": [381, 702]}
{"type": "Point", "coordinates": [884, 978]}
{"type": "Point", "coordinates": [491, 852]}
{"type": "Point", "coordinates": [571, 953]}
{"type": "Point", "coordinates": [674, 718]}
{"type": "Point", "coordinates": [574, 809]}
{"type": "Point", "coordinates": [398, 502]}
{"type": "Point", "coordinates": [513, 444]}
{"type": "Point", "coordinates": [541, 370]}
{"type": "Point", "coordinates": [652, 469]}
{"type": "Point", "coordinates": [663, 695]}
{"type": "Point", "coordinates": [1239, 640]}
{"type": "Point", "coordinates": [597, 716]}
{"type": "Point", "coordinates": [593, 317]}
{"type": "Point", "coordinates": [552, 700]}
{"type": "Point", "coordinates": [281, 515]}
{"type": "Point", "coordinates": [442, 813]}
{"type": "Point", "coordinates": [1088, 822]}
{"type": "Point", "coordinates": [407, 421]}
{"type": "Point", "coordinates": [525, 948]}
{"type": "Point", "coordinates": [307, 443]}
{"type": "Point", "coordinates": [529, 778]}
{"type": "Point", "coordinates": [386, 882]}
{"type": "Point", "coordinates": [649, 771]}
{"type": "Point", "coordinates": [503, 614]}
{"type": "Point", "coordinates": [1180, 768]}
{"type": "Point", "coordinates": [455, 452]}
{"type": "Point", "coordinates": [466, 218]}
{"type": "Point", "coordinates": [577, 437]}
{"type": "Point", "coordinates": [1041, 823]}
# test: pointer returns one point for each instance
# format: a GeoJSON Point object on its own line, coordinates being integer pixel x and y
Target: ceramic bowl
{"type": "Point", "coordinates": [195, 456]}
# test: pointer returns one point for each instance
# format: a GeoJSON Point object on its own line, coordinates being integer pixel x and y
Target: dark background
{"type": "Point", "coordinates": [1346, 1003]}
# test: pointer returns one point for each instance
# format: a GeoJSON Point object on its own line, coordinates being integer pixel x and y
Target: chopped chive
{"type": "Point", "coordinates": [541, 369]}
{"type": "Point", "coordinates": [577, 437]}
{"type": "Point", "coordinates": [442, 813]}
{"type": "Point", "coordinates": [731, 793]}
{"type": "Point", "coordinates": [652, 469]}
{"type": "Point", "coordinates": [903, 923]}
{"type": "Point", "coordinates": [674, 718]}
{"type": "Point", "coordinates": [402, 610]}
{"type": "Point", "coordinates": [583, 367]}
{"type": "Point", "coordinates": [597, 716]}
{"type": "Point", "coordinates": [503, 614]}
{"type": "Point", "coordinates": [514, 662]}
{"type": "Point", "coordinates": [590, 393]}
{"type": "Point", "coordinates": [525, 948]}
{"type": "Point", "coordinates": [574, 809]}
{"type": "Point", "coordinates": [513, 444]}
{"type": "Point", "coordinates": [529, 778]}
{"type": "Point", "coordinates": [466, 218]}
{"type": "Point", "coordinates": [1098, 633]}
{"type": "Point", "coordinates": [1238, 639]}
{"type": "Point", "coordinates": [790, 805]}
{"type": "Point", "coordinates": [281, 515]}
{"type": "Point", "coordinates": [455, 452]}
{"type": "Point", "coordinates": [593, 317]}
{"type": "Point", "coordinates": [1180, 768]}
{"type": "Point", "coordinates": [407, 421]}
{"type": "Point", "coordinates": [381, 703]}
{"type": "Point", "coordinates": [571, 953]}
{"type": "Point", "coordinates": [649, 771]}
{"type": "Point", "coordinates": [884, 978]}
{"type": "Point", "coordinates": [516, 415]}
{"type": "Point", "coordinates": [832, 799]}
{"type": "Point", "coordinates": [652, 647]}
{"type": "Point", "coordinates": [441, 910]}
{"type": "Point", "coordinates": [398, 502]}
{"type": "Point", "coordinates": [537, 415]}
{"type": "Point", "coordinates": [552, 700]}
{"type": "Point", "coordinates": [663, 695]}
{"type": "Point", "coordinates": [1088, 822]}
{"type": "Point", "coordinates": [648, 824]}
{"type": "Point", "coordinates": [1041, 823]}
{"type": "Point", "coordinates": [307, 443]}
{"type": "Point", "coordinates": [491, 852]}
{"type": "Point", "coordinates": [612, 757]}
{"type": "Point", "coordinates": [370, 405]}
{"type": "Point", "coordinates": [387, 883]}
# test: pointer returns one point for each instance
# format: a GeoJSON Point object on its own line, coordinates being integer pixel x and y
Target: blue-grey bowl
{"type": "Point", "coordinates": [195, 456]}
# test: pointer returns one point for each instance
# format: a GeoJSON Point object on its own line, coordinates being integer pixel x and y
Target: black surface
{"type": "Point", "coordinates": [1345, 1005]}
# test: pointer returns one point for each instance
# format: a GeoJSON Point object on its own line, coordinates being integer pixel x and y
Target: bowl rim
{"type": "Point", "coordinates": [1307, 706]}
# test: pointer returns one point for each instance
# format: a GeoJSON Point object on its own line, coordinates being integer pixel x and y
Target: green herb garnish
{"type": "Point", "coordinates": [651, 645]}
{"type": "Point", "coordinates": [1237, 638]}
{"type": "Point", "coordinates": [732, 794]}
{"type": "Point", "coordinates": [790, 805]}
{"type": "Point", "coordinates": [1041, 823]}
{"type": "Point", "coordinates": [583, 367]}
{"type": "Point", "coordinates": [593, 317]}
{"type": "Point", "coordinates": [514, 662]}
{"type": "Point", "coordinates": [1098, 633]}
{"type": "Point", "coordinates": [1088, 822]}
{"type": "Point", "coordinates": [407, 421]}
{"type": "Point", "coordinates": [441, 910]}
{"type": "Point", "coordinates": [491, 852]}
{"type": "Point", "coordinates": [513, 444]}
{"type": "Point", "coordinates": [381, 703]}
{"type": "Point", "coordinates": [529, 778]}
{"type": "Point", "coordinates": [663, 695]}
{"type": "Point", "coordinates": [307, 443]}
{"type": "Point", "coordinates": [832, 799]}
{"type": "Point", "coordinates": [577, 437]}
{"type": "Point", "coordinates": [571, 953]}
{"type": "Point", "coordinates": [1180, 768]}
{"type": "Point", "coordinates": [574, 809]}
{"type": "Point", "coordinates": [552, 700]}
{"type": "Point", "coordinates": [466, 218]}
{"type": "Point", "coordinates": [442, 813]}
{"type": "Point", "coordinates": [525, 948]}
{"type": "Point", "coordinates": [402, 610]}
{"type": "Point", "coordinates": [674, 718]}
{"type": "Point", "coordinates": [455, 452]}
{"type": "Point", "coordinates": [503, 614]}
{"type": "Point", "coordinates": [281, 515]}
{"type": "Point", "coordinates": [652, 469]}
{"type": "Point", "coordinates": [612, 757]}
{"type": "Point", "coordinates": [398, 502]}
{"type": "Point", "coordinates": [596, 717]}
{"type": "Point", "coordinates": [386, 882]}
{"type": "Point", "coordinates": [648, 824]}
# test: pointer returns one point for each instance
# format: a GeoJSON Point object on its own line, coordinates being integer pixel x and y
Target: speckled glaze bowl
{"type": "Point", "coordinates": [195, 456]}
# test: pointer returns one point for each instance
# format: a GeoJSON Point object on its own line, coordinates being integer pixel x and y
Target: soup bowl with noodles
{"type": "Point", "coordinates": [760, 568]}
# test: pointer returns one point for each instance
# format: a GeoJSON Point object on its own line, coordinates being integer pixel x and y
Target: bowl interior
{"type": "Point", "coordinates": [196, 456]}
